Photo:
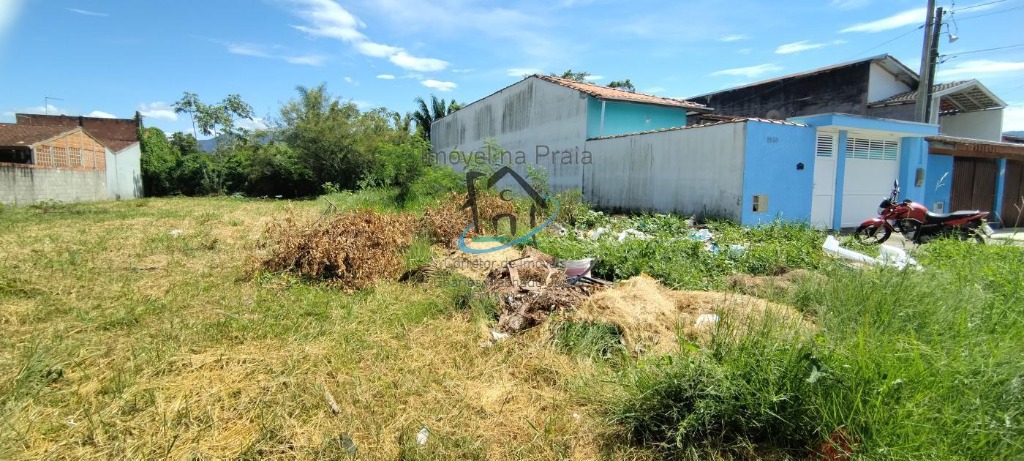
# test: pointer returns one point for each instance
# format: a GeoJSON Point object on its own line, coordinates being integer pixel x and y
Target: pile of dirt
{"type": "Point", "coordinates": [447, 218]}
{"type": "Point", "coordinates": [760, 285]}
{"type": "Point", "coordinates": [351, 250]}
{"type": "Point", "coordinates": [652, 317]}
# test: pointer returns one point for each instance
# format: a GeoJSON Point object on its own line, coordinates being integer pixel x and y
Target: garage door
{"type": "Point", "coordinates": [871, 167]}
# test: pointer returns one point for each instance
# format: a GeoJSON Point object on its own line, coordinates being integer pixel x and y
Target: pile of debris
{"type": "Point", "coordinates": [530, 288]}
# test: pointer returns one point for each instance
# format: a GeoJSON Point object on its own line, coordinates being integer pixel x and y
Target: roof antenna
{"type": "Point", "coordinates": [46, 104]}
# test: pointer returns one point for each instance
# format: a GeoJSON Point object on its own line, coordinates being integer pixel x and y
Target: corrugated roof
{"type": "Point", "coordinates": [13, 135]}
{"type": "Point", "coordinates": [614, 94]}
{"type": "Point", "coordinates": [958, 96]}
{"type": "Point", "coordinates": [891, 64]}
{"type": "Point", "coordinates": [975, 147]}
{"type": "Point", "coordinates": [723, 122]}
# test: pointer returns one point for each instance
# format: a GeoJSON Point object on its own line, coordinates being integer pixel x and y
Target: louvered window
{"type": "Point", "coordinates": [872, 149]}
{"type": "Point", "coordinates": [825, 146]}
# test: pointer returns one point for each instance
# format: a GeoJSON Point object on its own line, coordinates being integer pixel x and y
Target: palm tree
{"type": "Point", "coordinates": [426, 115]}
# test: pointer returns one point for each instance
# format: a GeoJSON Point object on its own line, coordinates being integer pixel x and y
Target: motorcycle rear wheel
{"type": "Point", "coordinates": [872, 234]}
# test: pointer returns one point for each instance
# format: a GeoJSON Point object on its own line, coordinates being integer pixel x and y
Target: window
{"type": "Point", "coordinates": [760, 203]}
{"type": "Point", "coordinates": [872, 149]}
{"type": "Point", "coordinates": [826, 145]}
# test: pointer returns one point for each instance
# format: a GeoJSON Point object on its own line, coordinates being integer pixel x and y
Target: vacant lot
{"type": "Point", "coordinates": [139, 330]}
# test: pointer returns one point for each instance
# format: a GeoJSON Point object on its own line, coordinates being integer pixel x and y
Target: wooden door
{"type": "Point", "coordinates": [974, 184]}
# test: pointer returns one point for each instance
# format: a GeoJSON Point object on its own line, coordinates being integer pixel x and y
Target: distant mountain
{"type": "Point", "coordinates": [1019, 134]}
{"type": "Point", "coordinates": [208, 145]}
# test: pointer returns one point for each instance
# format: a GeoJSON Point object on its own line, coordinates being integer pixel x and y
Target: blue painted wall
{"type": "Point", "coordinates": [937, 188]}
{"type": "Point", "coordinates": [770, 168]}
{"type": "Point", "coordinates": [624, 118]}
{"type": "Point", "coordinates": [997, 210]}
{"type": "Point", "coordinates": [913, 155]}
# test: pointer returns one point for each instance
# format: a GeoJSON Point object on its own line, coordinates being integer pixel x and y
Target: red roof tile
{"type": "Point", "coordinates": [12, 135]}
{"type": "Point", "coordinates": [614, 94]}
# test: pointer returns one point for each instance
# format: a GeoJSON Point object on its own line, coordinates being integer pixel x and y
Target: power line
{"type": "Point", "coordinates": [992, 12]}
{"type": "Point", "coordinates": [890, 40]}
{"type": "Point", "coordinates": [953, 55]}
{"type": "Point", "coordinates": [955, 9]}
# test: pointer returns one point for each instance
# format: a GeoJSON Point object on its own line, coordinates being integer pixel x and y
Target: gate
{"type": "Point", "coordinates": [974, 184]}
{"type": "Point", "coordinates": [1013, 202]}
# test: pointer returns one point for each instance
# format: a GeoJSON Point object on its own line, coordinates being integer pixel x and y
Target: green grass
{"type": "Point", "coordinates": [119, 340]}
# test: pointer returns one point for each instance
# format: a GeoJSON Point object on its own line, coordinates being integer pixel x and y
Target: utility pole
{"type": "Point", "coordinates": [921, 109]}
{"type": "Point", "coordinates": [934, 58]}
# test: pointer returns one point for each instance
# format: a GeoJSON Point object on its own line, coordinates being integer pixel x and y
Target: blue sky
{"type": "Point", "coordinates": [118, 56]}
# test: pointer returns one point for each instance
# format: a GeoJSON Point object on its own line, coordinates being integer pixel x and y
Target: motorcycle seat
{"type": "Point", "coordinates": [937, 217]}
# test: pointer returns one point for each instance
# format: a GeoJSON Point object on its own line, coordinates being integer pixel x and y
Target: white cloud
{"type": "Point", "coordinates": [1013, 117]}
{"type": "Point", "coordinates": [386, 77]}
{"type": "Point", "coordinates": [8, 13]}
{"type": "Point", "coordinates": [407, 61]}
{"type": "Point", "coordinates": [49, 109]}
{"type": "Point", "coordinates": [906, 18]}
{"type": "Point", "coordinates": [439, 85]}
{"type": "Point", "coordinates": [593, 78]}
{"type": "Point", "coordinates": [86, 12]}
{"type": "Point", "coordinates": [260, 51]}
{"type": "Point", "coordinates": [100, 114]}
{"type": "Point", "coordinates": [256, 123]}
{"type": "Point", "coordinates": [971, 69]}
{"type": "Point", "coordinates": [311, 60]}
{"type": "Point", "coordinates": [850, 4]}
{"type": "Point", "coordinates": [158, 110]}
{"type": "Point", "coordinates": [733, 38]}
{"type": "Point", "coordinates": [362, 105]}
{"type": "Point", "coordinates": [804, 45]}
{"type": "Point", "coordinates": [461, 71]}
{"type": "Point", "coordinates": [348, 79]}
{"type": "Point", "coordinates": [749, 72]}
{"type": "Point", "coordinates": [521, 71]}
{"type": "Point", "coordinates": [654, 90]}
{"type": "Point", "coordinates": [745, 50]}
{"type": "Point", "coordinates": [325, 18]}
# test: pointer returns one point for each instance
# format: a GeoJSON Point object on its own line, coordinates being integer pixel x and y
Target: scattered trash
{"type": "Point", "coordinates": [347, 443]}
{"type": "Point", "coordinates": [889, 256]}
{"type": "Point", "coordinates": [706, 321]}
{"type": "Point", "coordinates": [577, 267]}
{"type": "Point", "coordinates": [632, 233]}
{"type": "Point", "coordinates": [70, 422]}
{"type": "Point", "coordinates": [499, 336]}
{"type": "Point", "coordinates": [559, 229]}
{"type": "Point", "coordinates": [597, 233]}
{"type": "Point", "coordinates": [705, 236]}
{"type": "Point", "coordinates": [333, 404]}
{"type": "Point", "coordinates": [175, 232]}
{"type": "Point", "coordinates": [737, 251]}
{"type": "Point", "coordinates": [421, 436]}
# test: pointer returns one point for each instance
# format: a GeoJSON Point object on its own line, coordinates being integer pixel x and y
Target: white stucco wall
{"type": "Point", "coordinates": [986, 124]}
{"type": "Point", "coordinates": [24, 185]}
{"type": "Point", "coordinates": [882, 84]}
{"type": "Point", "coordinates": [695, 170]}
{"type": "Point", "coordinates": [124, 173]}
{"type": "Point", "coordinates": [532, 117]}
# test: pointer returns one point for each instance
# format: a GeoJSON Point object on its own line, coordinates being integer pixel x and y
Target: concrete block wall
{"type": "Point", "coordinates": [24, 185]}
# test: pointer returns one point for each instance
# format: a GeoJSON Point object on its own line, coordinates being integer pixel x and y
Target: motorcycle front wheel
{"type": "Point", "coordinates": [872, 234]}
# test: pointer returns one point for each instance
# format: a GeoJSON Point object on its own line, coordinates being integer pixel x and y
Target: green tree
{"type": "Point", "coordinates": [323, 130]}
{"type": "Point", "coordinates": [214, 119]}
{"type": "Point", "coordinates": [571, 75]}
{"type": "Point", "coordinates": [426, 114]}
{"type": "Point", "coordinates": [623, 85]}
{"type": "Point", "coordinates": [159, 163]}
{"type": "Point", "coordinates": [185, 143]}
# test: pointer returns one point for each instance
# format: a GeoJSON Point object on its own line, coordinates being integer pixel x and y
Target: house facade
{"type": "Point", "coordinates": [968, 165]}
{"type": "Point", "coordinates": [69, 159]}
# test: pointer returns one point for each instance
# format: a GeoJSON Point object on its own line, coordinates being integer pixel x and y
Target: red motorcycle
{"type": "Point", "coordinates": [917, 224]}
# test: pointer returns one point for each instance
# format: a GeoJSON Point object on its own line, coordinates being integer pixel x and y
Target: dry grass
{"type": "Point", "coordinates": [445, 220]}
{"type": "Point", "coordinates": [352, 250]}
{"type": "Point", "coordinates": [118, 340]}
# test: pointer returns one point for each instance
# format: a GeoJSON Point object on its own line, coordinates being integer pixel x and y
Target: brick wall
{"type": "Point", "coordinates": [104, 129]}
{"type": "Point", "coordinates": [75, 151]}
{"type": "Point", "coordinates": [25, 184]}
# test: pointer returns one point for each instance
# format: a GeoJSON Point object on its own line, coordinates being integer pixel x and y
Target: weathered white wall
{"type": "Point", "coordinates": [531, 117]}
{"type": "Point", "coordinates": [24, 185]}
{"type": "Point", "coordinates": [986, 124]}
{"type": "Point", "coordinates": [882, 84]}
{"type": "Point", "coordinates": [124, 173]}
{"type": "Point", "coordinates": [693, 170]}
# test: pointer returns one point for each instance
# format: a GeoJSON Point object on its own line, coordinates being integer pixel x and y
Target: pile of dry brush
{"type": "Point", "coordinates": [446, 219]}
{"type": "Point", "coordinates": [351, 250]}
